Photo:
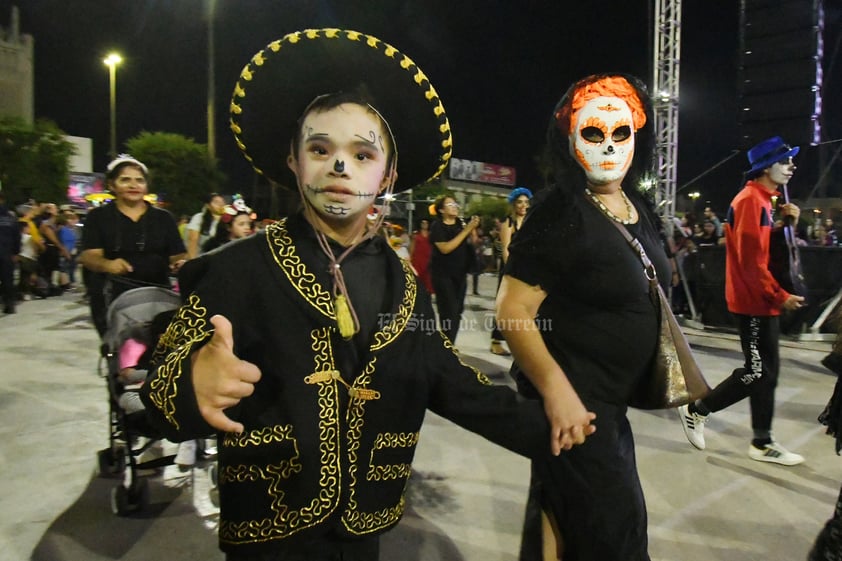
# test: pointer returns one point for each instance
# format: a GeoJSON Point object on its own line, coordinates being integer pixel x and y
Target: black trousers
{"type": "Point", "coordinates": [758, 377]}
{"type": "Point", "coordinates": [450, 302]}
{"type": "Point", "coordinates": [7, 280]}
{"type": "Point", "coordinates": [496, 335]}
{"type": "Point", "coordinates": [326, 549]}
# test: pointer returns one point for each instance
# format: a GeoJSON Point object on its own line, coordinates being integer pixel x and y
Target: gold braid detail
{"type": "Point", "coordinates": [265, 435]}
{"type": "Point", "coordinates": [287, 521]}
{"type": "Point", "coordinates": [380, 472]}
{"type": "Point", "coordinates": [405, 63]}
{"type": "Point", "coordinates": [481, 378]}
{"type": "Point", "coordinates": [355, 521]}
{"type": "Point", "coordinates": [187, 328]}
{"type": "Point", "coordinates": [283, 251]}
{"type": "Point", "coordinates": [399, 321]}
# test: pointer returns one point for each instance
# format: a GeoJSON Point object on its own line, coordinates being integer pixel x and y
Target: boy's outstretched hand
{"type": "Point", "coordinates": [570, 422]}
{"type": "Point", "coordinates": [220, 379]}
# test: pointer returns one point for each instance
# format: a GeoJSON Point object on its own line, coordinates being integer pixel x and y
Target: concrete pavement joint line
{"type": "Point", "coordinates": [58, 405]}
{"type": "Point", "coordinates": [701, 504]}
{"type": "Point", "coordinates": [686, 538]}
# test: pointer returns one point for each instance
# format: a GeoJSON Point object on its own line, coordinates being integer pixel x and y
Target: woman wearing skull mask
{"type": "Point", "coordinates": [570, 267]}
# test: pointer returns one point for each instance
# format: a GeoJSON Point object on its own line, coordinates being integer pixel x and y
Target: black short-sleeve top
{"type": "Point", "coordinates": [598, 320]}
{"type": "Point", "coordinates": [146, 244]}
{"type": "Point", "coordinates": [457, 262]}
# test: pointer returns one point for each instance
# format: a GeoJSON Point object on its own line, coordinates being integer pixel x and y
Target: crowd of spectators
{"type": "Point", "coordinates": [44, 262]}
{"type": "Point", "coordinates": [691, 232]}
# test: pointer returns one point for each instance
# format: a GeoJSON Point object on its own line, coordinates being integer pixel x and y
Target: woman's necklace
{"type": "Point", "coordinates": [608, 213]}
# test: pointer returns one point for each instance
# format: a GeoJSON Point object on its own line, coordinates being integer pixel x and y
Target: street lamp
{"type": "Point", "coordinates": [111, 61]}
{"type": "Point", "coordinates": [694, 196]}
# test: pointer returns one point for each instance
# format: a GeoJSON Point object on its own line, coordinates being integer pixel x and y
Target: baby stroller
{"type": "Point", "coordinates": [147, 309]}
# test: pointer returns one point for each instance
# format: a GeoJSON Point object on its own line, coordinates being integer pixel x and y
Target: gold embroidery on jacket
{"type": "Point", "coordinates": [355, 521]}
{"type": "Point", "coordinates": [283, 251]}
{"type": "Point", "coordinates": [400, 319]}
{"type": "Point", "coordinates": [386, 440]}
{"type": "Point", "coordinates": [287, 521]}
{"type": "Point", "coordinates": [265, 435]}
{"type": "Point", "coordinates": [188, 327]}
{"type": "Point", "coordinates": [481, 378]}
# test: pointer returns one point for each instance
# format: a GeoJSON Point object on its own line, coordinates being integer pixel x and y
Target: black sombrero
{"type": "Point", "coordinates": [280, 81]}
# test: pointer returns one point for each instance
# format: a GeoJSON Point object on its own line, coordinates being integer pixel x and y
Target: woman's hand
{"type": "Point", "coordinates": [570, 422]}
{"type": "Point", "coordinates": [118, 266]}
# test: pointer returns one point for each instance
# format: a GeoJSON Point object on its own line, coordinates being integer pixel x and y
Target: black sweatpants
{"type": "Point", "coordinates": [450, 302]}
{"type": "Point", "coordinates": [758, 376]}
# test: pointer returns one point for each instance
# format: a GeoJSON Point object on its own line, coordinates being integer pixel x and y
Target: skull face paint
{"type": "Point", "coordinates": [781, 172]}
{"type": "Point", "coordinates": [342, 161]}
{"type": "Point", "coordinates": [602, 139]}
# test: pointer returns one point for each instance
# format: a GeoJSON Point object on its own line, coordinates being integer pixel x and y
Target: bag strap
{"type": "Point", "coordinates": [648, 268]}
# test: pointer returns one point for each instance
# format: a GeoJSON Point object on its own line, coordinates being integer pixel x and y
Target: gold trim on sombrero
{"type": "Point", "coordinates": [259, 60]}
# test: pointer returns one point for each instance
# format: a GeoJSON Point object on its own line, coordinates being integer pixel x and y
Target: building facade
{"type": "Point", "coordinates": [16, 71]}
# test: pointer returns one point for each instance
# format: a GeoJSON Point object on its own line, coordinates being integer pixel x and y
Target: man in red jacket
{"type": "Point", "coordinates": [756, 299]}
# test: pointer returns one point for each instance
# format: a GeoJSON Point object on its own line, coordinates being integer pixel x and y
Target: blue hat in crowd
{"type": "Point", "coordinates": [517, 192]}
{"type": "Point", "coordinates": [769, 152]}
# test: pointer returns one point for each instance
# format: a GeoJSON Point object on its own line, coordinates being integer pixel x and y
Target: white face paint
{"type": "Point", "coordinates": [341, 161]}
{"type": "Point", "coordinates": [603, 139]}
{"type": "Point", "coordinates": [781, 172]}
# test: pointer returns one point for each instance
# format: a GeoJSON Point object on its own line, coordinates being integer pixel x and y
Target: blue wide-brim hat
{"type": "Point", "coordinates": [769, 152]}
{"type": "Point", "coordinates": [280, 82]}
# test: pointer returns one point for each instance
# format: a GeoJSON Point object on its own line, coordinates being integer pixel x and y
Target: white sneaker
{"type": "Point", "coordinates": [693, 425]}
{"type": "Point", "coordinates": [186, 456]}
{"type": "Point", "coordinates": [774, 453]}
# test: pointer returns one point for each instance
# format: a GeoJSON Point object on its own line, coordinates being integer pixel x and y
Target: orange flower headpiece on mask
{"type": "Point", "coordinates": [610, 86]}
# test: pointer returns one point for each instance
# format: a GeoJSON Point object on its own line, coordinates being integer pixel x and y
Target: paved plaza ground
{"type": "Point", "coordinates": [466, 495]}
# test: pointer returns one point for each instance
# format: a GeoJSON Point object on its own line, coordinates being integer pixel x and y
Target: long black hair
{"type": "Point", "coordinates": [207, 215]}
{"type": "Point", "coordinates": [223, 231]}
{"type": "Point", "coordinates": [565, 175]}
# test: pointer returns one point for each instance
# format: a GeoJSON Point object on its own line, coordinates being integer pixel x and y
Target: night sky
{"type": "Point", "coordinates": [499, 67]}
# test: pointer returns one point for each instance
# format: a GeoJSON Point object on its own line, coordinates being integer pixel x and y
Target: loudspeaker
{"type": "Point", "coordinates": [780, 70]}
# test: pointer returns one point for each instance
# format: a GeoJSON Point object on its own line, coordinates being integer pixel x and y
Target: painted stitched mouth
{"type": "Point", "coordinates": [337, 190]}
{"type": "Point", "coordinates": [336, 210]}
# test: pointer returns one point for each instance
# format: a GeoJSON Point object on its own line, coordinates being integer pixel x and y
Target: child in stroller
{"type": "Point", "coordinates": [136, 320]}
{"type": "Point", "coordinates": [134, 358]}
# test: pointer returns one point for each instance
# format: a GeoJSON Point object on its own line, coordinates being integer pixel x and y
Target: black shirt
{"type": "Point", "coordinates": [147, 244]}
{"type": "Point", "coordinates": [457, 262]}
{"type": "Point", "coordinates": [598, 320]}
{"type": "Point", "coordinates": [368, 290]}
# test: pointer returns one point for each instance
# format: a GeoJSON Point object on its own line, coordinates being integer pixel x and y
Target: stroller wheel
{"type": "Point", "coordinates": [125, 501]}
{"type": "Point", "coordinates": [110, 464]}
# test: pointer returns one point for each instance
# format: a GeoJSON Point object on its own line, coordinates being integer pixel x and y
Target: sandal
{"type": "Point", "coordinates": [497, 348]}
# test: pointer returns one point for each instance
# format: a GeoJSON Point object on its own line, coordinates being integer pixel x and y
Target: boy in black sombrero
{"type": "Point", "coordinates": [309, 347]}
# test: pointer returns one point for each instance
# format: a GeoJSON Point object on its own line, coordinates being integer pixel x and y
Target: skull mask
{"type": "Point", "coordinates": [602, 140]}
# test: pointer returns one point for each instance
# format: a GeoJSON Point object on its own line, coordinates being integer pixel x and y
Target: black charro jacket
{"type": "Point", "coordinates": [318, 459]}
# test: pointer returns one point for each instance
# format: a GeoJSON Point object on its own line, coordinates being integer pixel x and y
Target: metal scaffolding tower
{"type": "Point", "coordinates": [666, 64]}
